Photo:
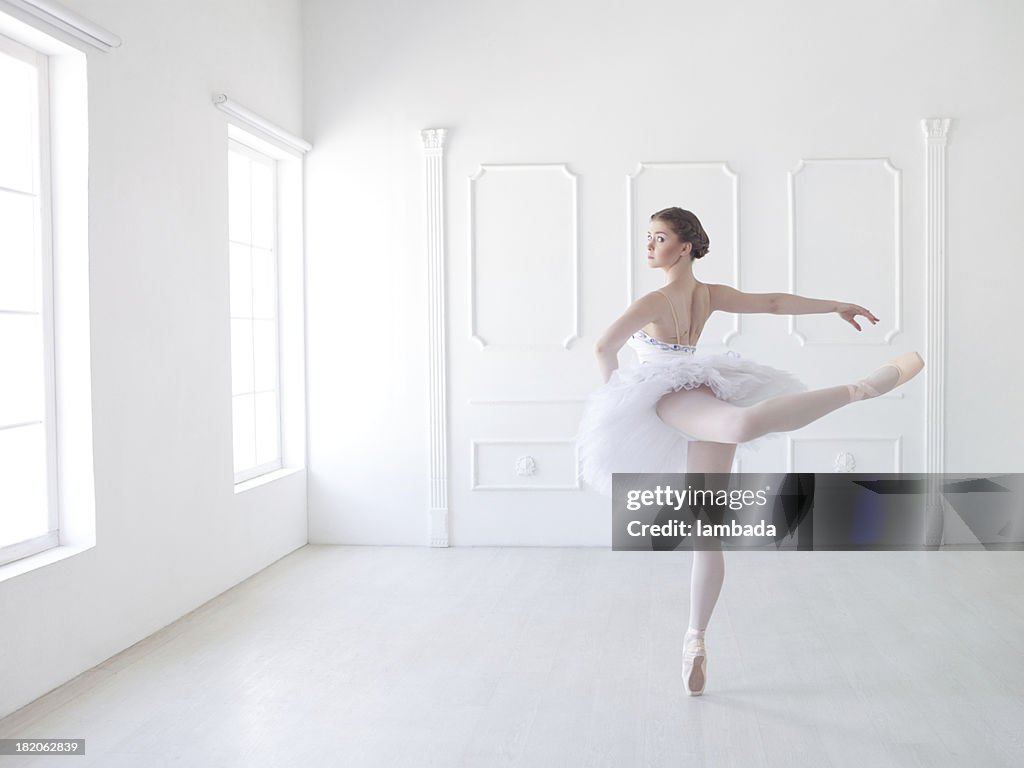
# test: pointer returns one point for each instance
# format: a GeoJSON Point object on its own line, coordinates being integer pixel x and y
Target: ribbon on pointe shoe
{"type": "Point", "coordinates": [860, 390]}
{"type": "Point", "coordinates": [695, 647]}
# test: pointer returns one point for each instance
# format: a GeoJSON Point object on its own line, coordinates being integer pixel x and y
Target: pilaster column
{"type": "Point", "coordinates": [936, 131]}
{"type": "Point", "coordinates": [437, 358]}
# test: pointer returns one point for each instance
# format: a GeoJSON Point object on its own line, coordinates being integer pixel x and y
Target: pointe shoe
{"type": "Point", "coordinates": [908, 366]}
{"type": "Point", "coordinates": [695, 666]}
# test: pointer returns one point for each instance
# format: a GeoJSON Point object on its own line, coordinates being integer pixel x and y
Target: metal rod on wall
{"type": "Point", "coordinates": [252, 120]}
{"type": "Point", "coordinates": [60, 17]}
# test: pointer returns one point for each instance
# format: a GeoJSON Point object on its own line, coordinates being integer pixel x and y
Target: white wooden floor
{"type": "Point", "coordinates": [391, 656]}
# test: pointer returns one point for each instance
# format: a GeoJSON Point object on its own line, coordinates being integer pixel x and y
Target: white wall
{"type": "Point", "coordinates": [171, 534]}
{"type": "Point", "coordinates": [602, 86]}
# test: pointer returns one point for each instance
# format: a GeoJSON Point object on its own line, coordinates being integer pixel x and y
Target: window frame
{"type": "Point", "coordinates": [259, 470]}
{"type": "Point", "coordinates": [43, 236]}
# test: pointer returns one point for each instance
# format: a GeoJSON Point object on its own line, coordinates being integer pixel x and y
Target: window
{"type": "Point", "coordinates": [253, 264]}
{"type": "Point", "coordinates": [28, 499]}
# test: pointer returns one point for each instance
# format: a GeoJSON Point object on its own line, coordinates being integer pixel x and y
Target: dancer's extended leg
{"type": "Point", "coordinates": [698, 413]}
{"type": "Point", "coordinates": [708, 571]}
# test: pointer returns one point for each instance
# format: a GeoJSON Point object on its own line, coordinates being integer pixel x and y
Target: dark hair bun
{"type": "Point", "coordinates": [688, 229]}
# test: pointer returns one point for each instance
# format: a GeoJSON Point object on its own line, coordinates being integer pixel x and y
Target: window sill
{"type": "Point", "coordinates": [41, 559]}
{"type": "Point", "coordinates": [270, 477]}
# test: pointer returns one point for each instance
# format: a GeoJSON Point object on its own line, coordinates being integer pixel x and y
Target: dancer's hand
{"type": "Point", "coordinates": [850, 311]}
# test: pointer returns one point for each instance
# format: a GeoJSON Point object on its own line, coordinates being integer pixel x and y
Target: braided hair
{"type": "Point", "coordinates": [687, 228]}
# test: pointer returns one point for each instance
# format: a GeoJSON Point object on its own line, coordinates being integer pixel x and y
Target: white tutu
{"type": "Point", "coordinates": [620, 430]}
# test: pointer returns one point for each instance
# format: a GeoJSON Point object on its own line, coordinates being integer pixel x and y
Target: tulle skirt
{"type": "Point", "coordinates": [620, 430]}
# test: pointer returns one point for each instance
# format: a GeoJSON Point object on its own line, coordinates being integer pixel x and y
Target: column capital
{"type": "Point", "coordinates": [936, 127]}
{"type": "Point", "coordinates": [433, 138]}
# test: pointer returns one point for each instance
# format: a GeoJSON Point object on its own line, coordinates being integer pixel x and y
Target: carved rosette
{"type": "Point", "coordinates": [844, 462]}
{"type": "Point", "coordinates": [526, 466]}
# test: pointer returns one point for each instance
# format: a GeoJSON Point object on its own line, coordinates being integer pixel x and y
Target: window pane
{"type": "Point", "coordinates": [265, 354]}
{"type": "Point", "coordinates": [255, 363]}
{"type": "Point", "coordinates": [23, 482]}
{"type": "Point", "coordinates": [263, 205]}
{"type": "Point", "coordinates": [264, 293]}
{"type": "Point", "coordinates": [268, 446]}
{"type": "Point", "coordinates": [19, 287]}
{"type": "Point", "coordinates": [19, 86]}
{"type": "Point", "coordinates": [241, 356]}
{"type": "Point", "coordinates": [241, 280]}
{"type": "Point", "coordinates": [21, 360]}
{"type": "Point", "coordinates": [244, 429]}
{"type": "Point", "coordinates": [239, 205]}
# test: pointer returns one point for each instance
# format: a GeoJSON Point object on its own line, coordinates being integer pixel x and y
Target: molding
{"type": "Point", "coordinates": [897, 244]}
{"type": "Point", "coordinates": [58, 16]}
{"type": "Point", "coordinates": [632, 215]}
{"type": "Point", "coordinates": [896, 442]}
{"type": "Point", "coordinates": [437, 357]}
{"type": "Point", "coordinates": [936, 132]}
{"type": "Point", "coordinates": [264, 127]}
{"type": "Point", "coordinates": [473, 464]}
{"type": "Point", "coordinates": [473, 178]}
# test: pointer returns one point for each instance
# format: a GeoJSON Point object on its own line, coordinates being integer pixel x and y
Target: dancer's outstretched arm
{"type": "Point", "coordinates": [727, 299]}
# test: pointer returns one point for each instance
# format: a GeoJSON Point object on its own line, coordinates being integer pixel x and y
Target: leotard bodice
{"type": "Point", "coordinates": [649, 348]}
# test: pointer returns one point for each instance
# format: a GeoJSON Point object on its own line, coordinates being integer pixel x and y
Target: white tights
{"type": "Point", "coordinates": [700, 414]}
{"type": "Point", "coordinates": [718, 426]}
{"type": "Point", "coordinates": [708, 570]}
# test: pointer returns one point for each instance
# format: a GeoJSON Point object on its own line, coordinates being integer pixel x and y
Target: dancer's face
{"type": "Point", "coordinates": [663, 245]}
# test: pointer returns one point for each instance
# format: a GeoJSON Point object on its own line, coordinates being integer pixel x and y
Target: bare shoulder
{"type": "Point", "coordinates": [642, 311]}
{"type": "Point", "coordinates": [650, 299]}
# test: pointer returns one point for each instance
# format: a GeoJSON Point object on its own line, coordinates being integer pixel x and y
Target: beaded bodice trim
{"type": "Point", "coordinates": [648, 339]}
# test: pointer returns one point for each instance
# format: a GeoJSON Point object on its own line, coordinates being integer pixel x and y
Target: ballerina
{"type": "Point", "coordinates": [680, 410]}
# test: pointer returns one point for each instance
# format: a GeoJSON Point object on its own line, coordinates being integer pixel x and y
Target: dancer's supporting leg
{"type": "Point", "coordinates": [700, 414]}
{"type": "Point", "coordinates": [708, 570]}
